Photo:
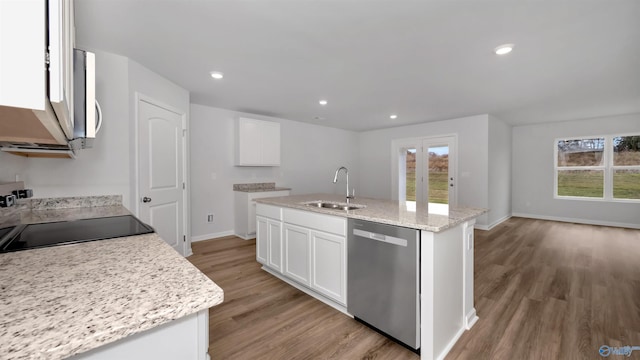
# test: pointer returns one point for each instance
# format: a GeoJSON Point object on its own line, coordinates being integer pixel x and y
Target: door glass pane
{"type": "Point", "coordinates": [438, 158]}
{"type": "Point", "coordinates": [626, 184]}
{"type": "Point", "coordinates": [584, 183]}
{"type": "Point", "coordinates": [626, 151]}
{"type": "Point", "coordinates": [581, 152]}
{"type": "Point", "coordinates": [410, 176]}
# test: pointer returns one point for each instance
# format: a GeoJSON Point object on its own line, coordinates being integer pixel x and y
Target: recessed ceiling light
{"type": "Point", "coordinates": [394, 116]}
{"type": "Point", "coordinates": [217, 75]}
{"type": "Point", "coordinates": [503, 49]}
{"type": "Point", "coordinates": [322, 102]}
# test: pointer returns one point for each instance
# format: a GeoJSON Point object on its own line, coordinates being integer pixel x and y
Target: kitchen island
{"type": "Point", "coordinates": [305, 244]}
{"type": "Point", "coordinates": [127, 298]}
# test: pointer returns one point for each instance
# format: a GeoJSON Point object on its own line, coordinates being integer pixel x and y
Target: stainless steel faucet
{"type": "Point", "coordinates": [335, 180]}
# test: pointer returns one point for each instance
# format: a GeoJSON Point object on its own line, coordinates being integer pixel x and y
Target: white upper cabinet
{"type": "Point", "coordinates": [258, 143]}
{"type": "Point", "coordinates": [61, 44]}
{"type": "Point", "coordinates": [36, 98]}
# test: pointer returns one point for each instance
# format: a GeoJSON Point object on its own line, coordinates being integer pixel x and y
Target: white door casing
{"type": "Point", "coordinates": [161, 178]}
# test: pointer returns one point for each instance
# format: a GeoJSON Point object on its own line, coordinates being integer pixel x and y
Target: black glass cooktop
{"type": "Point", "coordinates": [24, 237]}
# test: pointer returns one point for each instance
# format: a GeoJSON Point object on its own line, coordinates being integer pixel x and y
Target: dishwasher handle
{"type": "Point", "coordinates": [380, 237]}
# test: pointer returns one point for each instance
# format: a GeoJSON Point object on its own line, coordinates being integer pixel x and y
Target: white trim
{"type": "Point", "coordinates": [579, 221]}
{"type": "Point", "coordinates": [471, 318]}
{"type": "Point", "coordinates": [494, 224]}
{"type": "Point", "coordinates": [308, 291]}
{"type": "Point", "coordinates": [211, 236]}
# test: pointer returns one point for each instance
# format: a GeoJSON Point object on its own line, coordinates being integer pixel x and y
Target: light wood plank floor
{"type": "Point", "coordinates": [543, 290]}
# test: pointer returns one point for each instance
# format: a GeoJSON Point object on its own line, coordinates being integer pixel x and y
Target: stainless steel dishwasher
{"type": "Point", "coordinates": [383, 279]}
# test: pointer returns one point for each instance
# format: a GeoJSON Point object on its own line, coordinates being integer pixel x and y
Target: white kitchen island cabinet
{"type": "Point", "coordinates": [315, 258]}
{"type": "Point", "coordinates": [312, 260]}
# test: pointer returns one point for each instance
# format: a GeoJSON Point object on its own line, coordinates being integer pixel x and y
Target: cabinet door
{"type": "Point", "coordinates": [251, 220]}
{"type": "Point", "coordinates": [275, 245]}
{"type": "Point", "coordinates": [249, 139]}
{"type": "Point", "coordinates": [22, 54]}
{"type": "Point", "coordinates": [270, 143]}
{"type": "Point", "coordinates": [328, 265]}
{"type": "Point", "coordinates": [262, 240]}
{"type": "Point", "coordinates": [297, 253]}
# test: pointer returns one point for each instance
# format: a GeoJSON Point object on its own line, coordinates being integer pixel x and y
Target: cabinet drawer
{"type": "Point", "coordinates": [331, 224]}
{"type": "Point", "coordinates": [268, 211]}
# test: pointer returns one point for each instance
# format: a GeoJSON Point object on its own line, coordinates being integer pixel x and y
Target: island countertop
{"type": "Point", "coordinates": [60, 301]}
{"type": "Point", "coordinates": [381, 211]}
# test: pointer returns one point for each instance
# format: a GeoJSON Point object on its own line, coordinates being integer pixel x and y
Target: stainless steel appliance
{"type": "Point", "coordinates": [32, 236]}
{"type": "Point", "coordinates": [384, 279]}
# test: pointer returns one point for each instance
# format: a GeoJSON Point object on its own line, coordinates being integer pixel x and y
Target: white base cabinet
{"type": "Point", "coordinates": [245, 211]}
{"type": "Point", "coordinates": [313, 258]}
{"type": "Point", "coordinates": [329, 265]}
{"type": "Point", "coordinates": [186, 339]}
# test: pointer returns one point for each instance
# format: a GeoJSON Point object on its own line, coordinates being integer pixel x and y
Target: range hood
{"type": "Point", "coordinates": [30, 132]}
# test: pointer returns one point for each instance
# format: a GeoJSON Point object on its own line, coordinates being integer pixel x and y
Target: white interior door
{"type": "Point", "coordinates": [161, 177]}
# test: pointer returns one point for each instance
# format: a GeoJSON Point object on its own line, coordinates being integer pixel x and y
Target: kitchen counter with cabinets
{"type": "Point", "coordinates": [102, 299]}
{"type": "Point", "coordinates": [308, 247]}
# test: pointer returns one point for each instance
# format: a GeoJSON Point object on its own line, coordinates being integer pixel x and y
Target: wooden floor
{"type": "Point", "coordinates": [543, 290]}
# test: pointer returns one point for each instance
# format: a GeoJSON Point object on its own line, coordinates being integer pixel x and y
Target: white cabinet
{"type": "Point", "coordinates": [36, 99]}
{"type": "Point", "coordinates": [315, 252]}
{"type": "Point", "coordinates": [245, 211]}
{"type": "Point", "coordinates": [186, 338]}
{"type": "Point", "coordinates": [269, 242]}
{"type": "Point", "coordinates": [306, 247]}
{"type": "Point", "coordinates": [329, 265]}
{"type": "Point", "coordinates": [258, 143]}
{"type": "Point", "coordinates": [297, 253]}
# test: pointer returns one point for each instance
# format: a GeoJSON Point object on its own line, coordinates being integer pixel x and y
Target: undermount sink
{"type": "Point", "coordinates": [334, 206]}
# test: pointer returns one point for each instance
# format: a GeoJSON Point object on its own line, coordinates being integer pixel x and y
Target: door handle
{"type": "Point", "coordinates": [146, 199]}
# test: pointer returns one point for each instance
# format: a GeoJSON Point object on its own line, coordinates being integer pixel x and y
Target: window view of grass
{"type": "Point", "coordinates": [585, 183]}
{"type": "Point", "coordinates": [626, 184]}
{"type": "Point", "coordinates": [411, 175]}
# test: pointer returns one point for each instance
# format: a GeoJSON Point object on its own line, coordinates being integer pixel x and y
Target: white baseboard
{"type": "Point", "coordinates": [471, 318]}
{"type": "Point", "coordinates": [449, 346]}
{"type": "Point", "coordinates": [578, 221]}
{"type": "Point", "coordinates": [211, 236]}
{"type": "Point", "coordinates": [494, 224]}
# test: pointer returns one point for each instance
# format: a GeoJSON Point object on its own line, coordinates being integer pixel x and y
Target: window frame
{"type": "Point", "coordinates": [608, 169]}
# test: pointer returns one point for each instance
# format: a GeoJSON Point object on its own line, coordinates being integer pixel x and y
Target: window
{"type": "Point", "coordinates": [605, 167]}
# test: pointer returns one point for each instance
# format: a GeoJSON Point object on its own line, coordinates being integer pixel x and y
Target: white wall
{"type": "Point", "coordinates": [374, 160]}
{"type": "Point", "coordinates": [533, 173]}
{"type": "Point", "coordinates": [499, 171]}
{"type": "Point", "coordinates": [310, 156]}
{"type": "Point", "coordinates": [101, 170]}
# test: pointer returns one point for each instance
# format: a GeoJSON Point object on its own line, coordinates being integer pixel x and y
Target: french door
{"type": "Point", "coordinates": [426, 173]}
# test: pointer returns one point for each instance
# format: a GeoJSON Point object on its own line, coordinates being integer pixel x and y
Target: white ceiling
{"type": "Point", "coordinates": [424, 60]}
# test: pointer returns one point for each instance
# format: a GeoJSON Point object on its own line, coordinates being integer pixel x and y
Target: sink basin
{"type": "Point", "coordinates": [334, 206]}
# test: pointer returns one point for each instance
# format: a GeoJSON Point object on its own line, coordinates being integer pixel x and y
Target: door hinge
{"type": "Point", "coordinates": [183, 186]}
{"type": "Point", "coordinates": [184, 132]}
{"type": "Point", "coordinates": [47, 57]}
{"type": "Point", "coordinates": [184, 238]}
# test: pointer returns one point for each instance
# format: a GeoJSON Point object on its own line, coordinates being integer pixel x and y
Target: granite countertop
{"type": "Point", "coordinates": [60, 301]}
{"type": "Point", "coordinates": [258, 187]}
{"type": "Point", "coordinates": [382, 211]}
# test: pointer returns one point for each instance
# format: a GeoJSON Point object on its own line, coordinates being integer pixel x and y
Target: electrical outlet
{"type": "Point", "coordinates": [209, 218]}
